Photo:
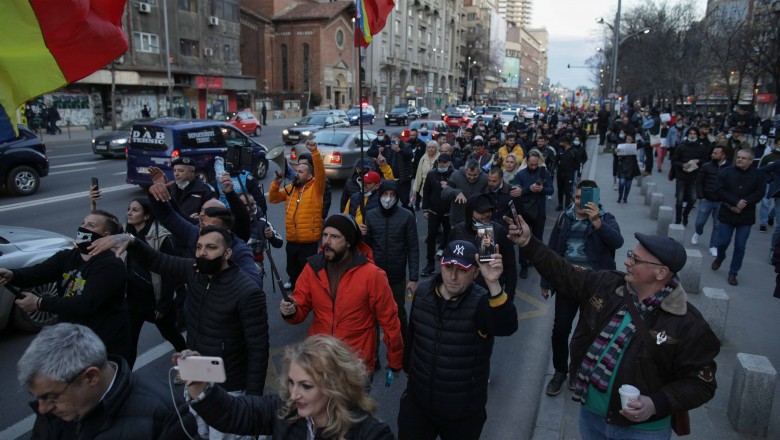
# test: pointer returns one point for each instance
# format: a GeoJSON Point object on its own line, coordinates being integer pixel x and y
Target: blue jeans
{"type": "Point", "coordinates": [595, 427]}
{"type": "Point", "coordinates": [776, 234]}
{"type": "Point", "coordinates": [741, 234]}
{"type": "Point", "coordinates": [624, 188]}
{"type": "Point", "coordinates": [763, 210]}
{"type": "Point", "coordinates": [706, 209]}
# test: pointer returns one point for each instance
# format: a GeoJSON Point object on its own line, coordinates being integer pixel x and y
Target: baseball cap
{"type": "Point", "coordinates": [460, 253]}
{"type": "Point", "coordinates": [371, 177]}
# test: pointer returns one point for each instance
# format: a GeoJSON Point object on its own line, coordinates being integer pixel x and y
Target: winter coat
{"type": "Point", "coordinates": [432, 193]}
{"type": "Point", "coordinates": [136, 407]}
{"type": "Point", "coordinates": [681, 377]}
{"type": "Point", "coordinates": [259, 415]}
{"type": "Point", "coordinates": [303, 213]}
{"type": "Point", "coordinates": [770, 166]}
{"type": "Point", "coordinates": [707, 181]}
{"type": "Point", "coordinates": [449, 345]}
{"type": "Point", "coordinates": [363, 297]}
{"type": "Point", "coordinates": [734, 185]}
{"type": "Point", "coordinates": [226, 317]}
{"type": "Point", "coordinates": [392, 235]}
{"type": "Point", "coordinates": [192, 197]}
{"type": "Point", "coordinates": [686, 152]}
{"type": "Point", "coordinates": [458, 184]}
{"type": "Point", "coordinates": [627, 167]}
{"type": "Point", "coordinates": [600, 244]}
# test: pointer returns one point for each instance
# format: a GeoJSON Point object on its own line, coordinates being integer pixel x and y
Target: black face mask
{"type": "Point", "coordinates": [209, 267]}
{"type": "Point", "coordinates": [84, 238]}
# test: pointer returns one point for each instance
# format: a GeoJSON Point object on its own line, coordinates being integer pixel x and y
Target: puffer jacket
{"type": "Point", "coordinates": [392, 235]}
{"type": "Point", "coordinates": [253, 415]}
{"type": "Point", "coordinates": [686, 152]}
{"type": "Point", "coordinates": [135, 408]}
{"type": "Point", "coordinates": [683, 378]}
{"type": "Point", "coordinates": [458, 184]}
{"type": "Point", "coordinates": [628, 167]}
{"type": "Point", "coordinates": [449, 344]}
{"type": "Point", "coordinates": [735, 184]}
{"type": "Point", "coordinates": [226, 317]}
{"type": "Point", "coordinates": [363, 297]}
{"type": "Point", "coordinates": [432, 200]}
{"type": "Point", "coordinates": [707, 181]}
{"type": "Point", "coordinates": [600, 244]}
{"type": "Point", "coordinates": [303, 214]}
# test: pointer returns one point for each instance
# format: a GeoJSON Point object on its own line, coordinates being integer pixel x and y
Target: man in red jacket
{"type": "Point", "coordinates": [347, 294]}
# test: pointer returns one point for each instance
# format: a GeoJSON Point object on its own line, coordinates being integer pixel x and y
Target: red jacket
{"type": "Point", "coordinates": [363, 296]}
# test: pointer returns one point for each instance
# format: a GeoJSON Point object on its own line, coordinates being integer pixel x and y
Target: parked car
{"type": "Point", "coordinates": [424, 112]}
{"type": "Point", "coordinates": [308, 125]}
{"type": "Point", "coordinates": [455, 117]}
{"type": "Point", "coordinates": [22, 247]}
{"type": "Point", "coordinates": [114, 143]}
{"type": "Point", "coordinates": [340, 114]}
{"type": "Point", "coordinates": [339, 149]}
{"type": "Point", "coordinates": [401, 115]}
{"type": "Point", "coordinates": [157, 143]}
{"type": "Point", "coordinates": [246, 122]}
{"type": "Point", "coordinates": [369, 115]}
{"type": "Point", "coordinates": [434, 128]}
{"type": "Point", "coordinates": [23, 162]}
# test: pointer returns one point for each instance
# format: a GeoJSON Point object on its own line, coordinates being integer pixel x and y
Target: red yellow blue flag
{"type": "Point", "coordinates": [370, 18]}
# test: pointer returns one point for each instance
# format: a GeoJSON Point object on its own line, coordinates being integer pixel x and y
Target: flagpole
{"type": "Point", "coordinates": [358, 34]}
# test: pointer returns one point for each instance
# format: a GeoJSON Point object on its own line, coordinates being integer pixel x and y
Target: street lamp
{"type": "Point", "coordinates": [470, 64]}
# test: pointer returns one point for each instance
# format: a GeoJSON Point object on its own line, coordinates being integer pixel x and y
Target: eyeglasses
{"type": "Point", "coordinates": [53, 398]}
{"type": "Point", "coordinates": [634, 260]}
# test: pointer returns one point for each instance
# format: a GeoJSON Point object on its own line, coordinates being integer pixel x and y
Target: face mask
{"type": "Point", "coordinates": [381, 137]}
{"type": "Point", "coordinates": [388, 202]}
{"type": "Point", "coordinates": [577, 143]}
{"type": "Point", "coordinates": [368, 193]}
{"type": "Point", "coordinates": [442, 170]}
{"type": "Point", "coordinates": [692, 139]}
{"type": "Point", "coordinates": [423, 130]}
{"type": "Point", "coordinates": [622, 136]}
{"type": "Point", "coordinates": [762, 141]}
{"type": "Point", "coordinates": [678, 125]}
{"type": "Point", "coordinates": [209, 267]}
{"type": "Point", "coordinates": [479, 224]}
{"type": "Point", "coordinates": [84, 238]}
{"type": "Point", "coordinates": [183, 184]}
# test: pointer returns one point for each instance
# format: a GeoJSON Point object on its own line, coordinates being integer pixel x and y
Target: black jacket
{"type": "Point", "coordinates": [734, 185]}
{"type": "Point", "coordinates": [448, 347]}
{"type": "Point", "coordinates": [226, 317]}
{"type": "Point", "coordinates": [500, 200]}
{"type": "Point", "coordinates": [401, 162]}
{"type": "Point", "coordinates": [707, 181]}
{"type": "Point", "coordinates": [681, 378]}
{"type": "Point", "coordinates": [90, 293]}
{"type": "Point", "coordinates": [255, 415]}
{"type": "Point", "coordinates": [135, 408]}
{"type": "Point", "coordinates": [685, 152]}
{"type": "Point", "coordinates": [392, 235]}
{"type": "Point", "coordinates": [432, 200]}
{"type": "Point", "coordinates": [191, 198]}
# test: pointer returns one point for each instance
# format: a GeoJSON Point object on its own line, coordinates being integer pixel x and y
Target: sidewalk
{"type": "Point", "coordinates": [751, 326]}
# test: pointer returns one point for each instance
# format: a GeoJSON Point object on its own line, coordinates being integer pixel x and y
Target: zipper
{"type": "Point", "coordinates": [200, 315]}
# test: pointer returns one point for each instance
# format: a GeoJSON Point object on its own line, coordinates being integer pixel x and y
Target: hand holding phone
{"type": "Point", "coordinates": [202, 369]}
{"type": "Point", "coordinates": [95, 184]}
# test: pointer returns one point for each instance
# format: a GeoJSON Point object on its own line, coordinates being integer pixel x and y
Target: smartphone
{"type": "Point", "coordinates": [539, 182]}
{"type": "Point", "coordinates": [589, 195]}
{"type": "Point", "coordinates": [515, 217]}
{"type": "Point", "coordinates": [95, 183]}
{"type": "Point", "coordinates": [487, 243]}
{"type": "Point", "coordinates": [202, 369]}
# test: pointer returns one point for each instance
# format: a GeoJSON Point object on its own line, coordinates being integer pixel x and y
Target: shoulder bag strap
{"type": "Point", "coordinates": [640, 325]}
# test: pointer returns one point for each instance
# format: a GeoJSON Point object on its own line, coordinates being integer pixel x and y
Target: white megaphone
{"type": "Point", "coordinates": [276, 155]}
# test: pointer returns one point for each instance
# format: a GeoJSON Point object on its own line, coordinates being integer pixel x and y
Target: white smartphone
{"type": "Point", "coordinates": [202, 369]}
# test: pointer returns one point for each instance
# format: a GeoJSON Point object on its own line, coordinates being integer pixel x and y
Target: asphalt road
{"type": "Point", "coordinates": [518, 364]}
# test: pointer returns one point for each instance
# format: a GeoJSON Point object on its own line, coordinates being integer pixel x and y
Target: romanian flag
{"type": "Point", "coordinates": [47, 44]}
{"type": "Point", "coordinates": [371, 16]}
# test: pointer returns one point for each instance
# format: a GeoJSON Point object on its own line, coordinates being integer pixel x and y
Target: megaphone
{"type": "Point", "coordinates": [276, 155]}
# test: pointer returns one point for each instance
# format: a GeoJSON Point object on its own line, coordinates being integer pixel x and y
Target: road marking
{"type": "Point", "coordinates": [62, 198]}
{"type": "Point", "coordinates": [120, 173]}
{"type": "Point", "coordinates": [70, 155]}
{"type": "Point", "coordinates": [540, 307]}
{"type": "Point", "coordinates": [71, 171]}
{"type": "Point", "coordinates": [74, 164]}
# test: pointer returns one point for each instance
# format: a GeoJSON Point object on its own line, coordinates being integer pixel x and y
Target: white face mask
{"type": "Point", "coordinates": [182, 184]}
{"type": "Point", "coordinates": [387, 202]}
{"type": "Point", "coordinates": [381, 137]}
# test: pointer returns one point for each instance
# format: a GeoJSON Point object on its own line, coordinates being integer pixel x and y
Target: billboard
{"type": "Point", "coordinates": [497, 42]}
{"type": "Point", "coordinates": [511, 73]}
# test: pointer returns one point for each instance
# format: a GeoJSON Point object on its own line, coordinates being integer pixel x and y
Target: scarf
{"type": "Point", "coordinates": [598, 372]}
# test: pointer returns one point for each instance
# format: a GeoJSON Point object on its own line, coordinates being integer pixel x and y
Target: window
{"type": "Point", "coordinates": [340, 38]}
{"type": "Point", "coordinates": [285, 71]}
{"type": "Point", "coordinates": [229, 53]}
{"type": "Point", "coordinates": [189, 48]}
{"type": "Point", "coordinates": [306, 66]}
{"type": "Point", "coordinates": [471, 16]}
{"type": "Point", "coordinates": [225, 9]}
{"type": "Point", "coordinates": [327, 92]}
{"type": "Point", "coordinates": [188, 5]}
{"type": "Point", "coordinates": [397, 27]}
{"type": "Point", "coordinates": [144, 42]}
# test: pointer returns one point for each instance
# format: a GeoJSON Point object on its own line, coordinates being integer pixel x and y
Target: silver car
{"type": "Point", "coordinates": [22, 247]}
{"type": "Point", "coordinates": [339, 149]}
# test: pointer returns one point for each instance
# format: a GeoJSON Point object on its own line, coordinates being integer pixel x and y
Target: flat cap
{"type": "Point", "coordinates": [668, 251]}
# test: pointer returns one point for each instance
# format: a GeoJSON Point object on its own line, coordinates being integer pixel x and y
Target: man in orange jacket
{"type": "Point", "coordinates": [347, 294]}
{"type": "Point", "coordinates": [303, 214]}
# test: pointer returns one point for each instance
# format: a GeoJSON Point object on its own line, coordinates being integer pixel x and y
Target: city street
{"type": "Point", "coordinates": [520, 365]}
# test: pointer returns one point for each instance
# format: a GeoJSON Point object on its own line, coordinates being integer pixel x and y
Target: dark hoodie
{"type": "Point", "coordinates": [392, 235]}
{"type": "Point", "coordinates": [466, 230]}
{"type": "Point", "coordinates": [351, 186]}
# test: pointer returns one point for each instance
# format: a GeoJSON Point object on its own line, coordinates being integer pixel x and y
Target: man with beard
{"type": "Point", "coordinates": [303, 214]}
{"type": "Point", "coordinates": [90, 285]}
{"type": "Point", "coordinates": [461, 185]}
{"type": "Point", "coordinates": [344, 272]}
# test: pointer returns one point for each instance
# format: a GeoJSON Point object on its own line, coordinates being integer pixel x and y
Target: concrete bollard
{"type": "Point", "coordinates": [716, 310]}
{"type": "Point", "coordinates": [664, 216]}
{"type": "Point", "coordinates": [676, 232]}
{"type": "Point", "coordinates": [638, 181]}
{"type": "Point", "coordinates": [752, 391]}
{"type": "Point", "coordinates": [651, 186]}
{"type": "Point", "coordinates": [656, 200]}
{"type": "Point", "coordinates": [690, 275]}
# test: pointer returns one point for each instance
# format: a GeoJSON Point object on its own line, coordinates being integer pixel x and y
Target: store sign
{"type": "Point", "coordinates": [765, 97]}
{"type": "Point", "coordinates": [208, 82]}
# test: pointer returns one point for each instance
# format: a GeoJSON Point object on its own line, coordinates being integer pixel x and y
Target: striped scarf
{"type": "Point", "coordinates": [599, 372]}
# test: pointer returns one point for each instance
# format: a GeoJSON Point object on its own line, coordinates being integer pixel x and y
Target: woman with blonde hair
{"type": "Point", "coordinates": [511, 167]}
{"type": "Point", "coordinates": [427, 163]}
{"type": "Point", "coordinates": [323, 396]}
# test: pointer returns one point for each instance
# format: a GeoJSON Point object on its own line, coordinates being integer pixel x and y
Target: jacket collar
{"type": "Point", "coordinates": [676, 303]}
{"type": "Point", "coordinates": [317, 262]}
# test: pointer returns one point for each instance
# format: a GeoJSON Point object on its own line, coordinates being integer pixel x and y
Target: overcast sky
{"type": "Point", "coordinates": [574, 34]}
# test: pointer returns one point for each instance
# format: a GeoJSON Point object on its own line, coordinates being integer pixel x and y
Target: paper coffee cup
{"type": "Point", "coordinates": [628, 393]}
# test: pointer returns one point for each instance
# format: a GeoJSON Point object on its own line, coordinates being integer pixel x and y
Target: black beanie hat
{"type": "Point", "coordinates": [347, 226]}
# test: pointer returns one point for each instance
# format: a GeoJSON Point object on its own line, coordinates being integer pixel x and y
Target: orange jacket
{"type": "Point", "coordinates": [363, 297]}
{"type": "Point", "coordinates": [303, 216]}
